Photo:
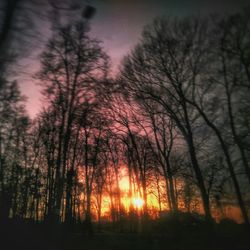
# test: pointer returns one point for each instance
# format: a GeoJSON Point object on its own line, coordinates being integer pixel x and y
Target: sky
{"type": "Point", "coordinates": [118, 24]}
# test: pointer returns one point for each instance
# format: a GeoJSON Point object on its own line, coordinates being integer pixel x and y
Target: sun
{"type": "Point", "coordinates": [138, 202]}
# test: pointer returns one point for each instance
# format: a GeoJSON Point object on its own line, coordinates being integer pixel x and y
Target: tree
{"type": "Point", "coordinates": [156, 70]}
{"type": "Point", "coordinates": [73, 65]}
{"type": "Point", "coordinates": [176, 66]}
{"type": "Point", "coordinates": [14, 125]}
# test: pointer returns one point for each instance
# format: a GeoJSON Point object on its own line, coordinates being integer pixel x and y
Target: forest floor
{"type": "Point", "coordinates": [169, 237]}
{"type": "Point", "coordinates": [135, 242]}
{"type": "Point", "coordinates": [125, 241]}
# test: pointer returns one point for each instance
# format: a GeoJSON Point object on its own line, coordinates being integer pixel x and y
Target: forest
{"type": "Point", "coordinates": [153, 156]}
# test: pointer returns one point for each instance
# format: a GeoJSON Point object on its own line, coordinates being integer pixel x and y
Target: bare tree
{"type": "Point", "coordinates": [156, 71]}
{"type": "Point", "coordinates": [72, 64]}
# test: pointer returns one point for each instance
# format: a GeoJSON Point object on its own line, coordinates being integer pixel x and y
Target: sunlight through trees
{"type": "Point", "coordinates": [168, 135]}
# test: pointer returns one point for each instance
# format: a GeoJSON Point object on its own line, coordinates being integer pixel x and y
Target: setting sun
{"type": "Point", "coordinates": [138, 202]}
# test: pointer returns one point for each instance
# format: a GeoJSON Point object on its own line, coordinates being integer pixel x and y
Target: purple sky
{"type": "Point", "coordinates": [118, 23]}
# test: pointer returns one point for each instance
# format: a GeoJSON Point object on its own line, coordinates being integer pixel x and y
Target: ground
{"type": "Point", "coordinates": [158, 236]}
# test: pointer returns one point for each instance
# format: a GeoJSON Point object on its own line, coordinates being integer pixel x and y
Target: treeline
{"type": "Point", "coordinates": [176, 116]}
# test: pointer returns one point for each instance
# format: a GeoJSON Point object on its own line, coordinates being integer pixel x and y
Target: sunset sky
{"type": "Point", "coordinates": [118, 23]}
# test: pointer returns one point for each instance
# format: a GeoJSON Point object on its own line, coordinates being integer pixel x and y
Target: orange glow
{"type": "Point", "coordinates": [131, 198]}
{"type": "Point", "coordinates": [135, 199]}
{"type": "Point", "coordinates": [124, 181]}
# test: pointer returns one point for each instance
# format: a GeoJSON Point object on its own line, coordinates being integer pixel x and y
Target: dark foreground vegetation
{"type": "Point", "coordinates": [182, 232]}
